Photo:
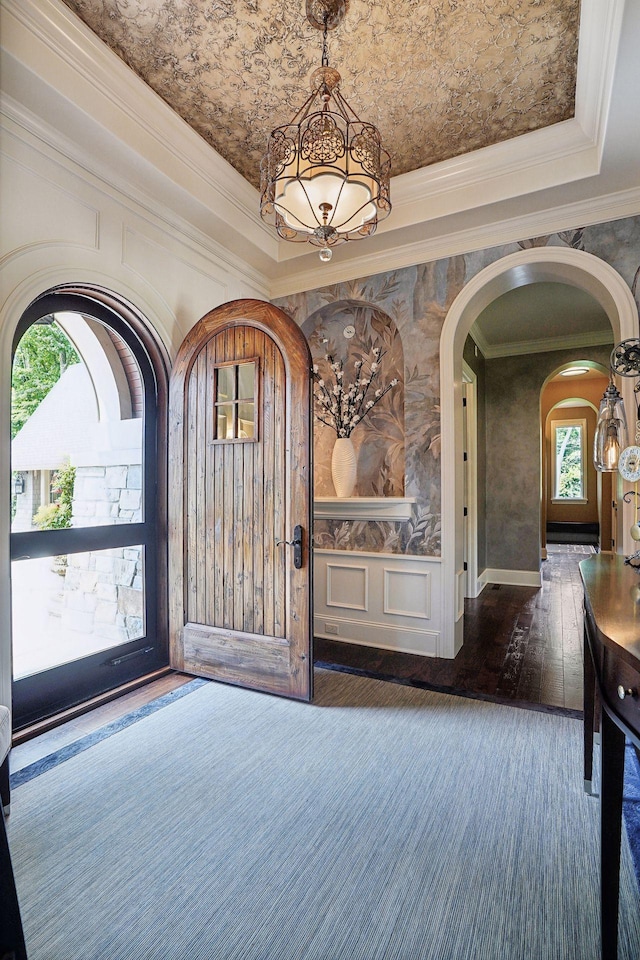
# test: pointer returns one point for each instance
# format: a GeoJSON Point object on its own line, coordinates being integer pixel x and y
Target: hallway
{"type": "Point", "coordinates": [521, 645]}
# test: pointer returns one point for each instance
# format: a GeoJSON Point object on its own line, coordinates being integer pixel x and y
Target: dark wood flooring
{"type": "Point", "coordinates": [521, 645]}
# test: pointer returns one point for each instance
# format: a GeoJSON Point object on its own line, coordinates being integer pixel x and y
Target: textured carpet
{"type": "Point", "coordinates": [78, 745]}
{"type": "Point", "coordinates": [381, 822]}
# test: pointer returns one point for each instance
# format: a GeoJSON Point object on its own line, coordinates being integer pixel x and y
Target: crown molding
{"type": "Point", "coordinates": [47, 38]}
{"type": "Point", "coordinates": [600, 29]}
{"type": "Point", "coordinates": [583, 213]}
{"type": "Point", "coordinates": [538, 160]}
{"type": "Point", "coordinates": [18, 123]}
{"type": "Point", "coordinates": [546, 345]}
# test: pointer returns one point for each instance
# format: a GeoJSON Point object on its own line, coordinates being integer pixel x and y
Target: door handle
{"type": "Point", "coordinates": [296, 543]}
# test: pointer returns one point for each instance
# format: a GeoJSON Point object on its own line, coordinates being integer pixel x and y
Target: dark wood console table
{"type": "Point", "coordinates": [612, 697]}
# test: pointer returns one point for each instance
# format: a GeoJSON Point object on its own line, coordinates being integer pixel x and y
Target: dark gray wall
{"type": "Point", "coordinates": [513, 491]}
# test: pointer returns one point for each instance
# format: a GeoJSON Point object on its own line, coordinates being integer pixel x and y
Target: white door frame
{"type": "Point", "coordinates": [471, 487]}
{"type": "Point", "coordinates": [538, 264]}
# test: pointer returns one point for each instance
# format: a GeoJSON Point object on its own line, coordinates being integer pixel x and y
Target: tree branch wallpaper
{"type": "Point", "coordinates": [403, 312]}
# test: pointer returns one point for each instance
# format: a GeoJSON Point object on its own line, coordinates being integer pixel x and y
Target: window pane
{"type": "Point", "coordinates": [224, 430]}
{"type": "Point", "coordinates": [569, 478]}
{"type": "Point", "coordinates": [65, 608]}
{"type": "Point", "coordinates": [225, 389]}
{"type": "Point", "coordinates": [246, 380]}
{"type": "Point", "coordinates": [77, 429]}
{"type": "Point", "coordinates": [246, 419]}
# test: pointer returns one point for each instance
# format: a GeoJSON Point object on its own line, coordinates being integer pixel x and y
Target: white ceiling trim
{"type": "Point", "coordinates": [537, 160]}
{"type": "Point", "coordinates": [562, 153]}
{"type": "Point", "coordinates": [614, 206]}
{"type": "Point", "coordinates": [16, 122]}
{"type": "Point", "coordinates": [548, 344]}
{"type": "Point", "coordinates": [57, 47]}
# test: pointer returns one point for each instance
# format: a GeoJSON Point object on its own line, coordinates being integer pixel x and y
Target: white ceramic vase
{"type": "Point", "coordinates": [343, 467]}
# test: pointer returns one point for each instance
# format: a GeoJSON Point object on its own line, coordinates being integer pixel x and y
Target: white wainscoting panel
{"type": "Point", "coordinates": [407, 593]}
{"type": "Point", "coordinates": [347, 586]}
{"type": "Point", "coordinates": [379, 600]}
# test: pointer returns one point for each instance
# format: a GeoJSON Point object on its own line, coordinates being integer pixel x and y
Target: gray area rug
{"type": "Point", "coordinates": [382, 821]}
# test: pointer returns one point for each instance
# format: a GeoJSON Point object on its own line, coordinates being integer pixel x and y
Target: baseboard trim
{"type": "Point", "coordinates": [513, 578]}
{"type": "Point", "coordinates": [424, 643]}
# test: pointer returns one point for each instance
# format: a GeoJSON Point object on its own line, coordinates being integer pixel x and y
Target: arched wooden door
{"type": "Point", "coordinates": [239, 492]}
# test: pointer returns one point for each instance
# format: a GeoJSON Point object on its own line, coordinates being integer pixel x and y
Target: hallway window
{"type": "Point", "coordinates": [569, 460]}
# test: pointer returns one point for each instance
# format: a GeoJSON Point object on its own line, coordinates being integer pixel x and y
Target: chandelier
{"type": "Point", "coordinates": [325, 175]}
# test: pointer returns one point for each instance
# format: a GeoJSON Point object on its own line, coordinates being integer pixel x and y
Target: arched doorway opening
{"type": "Point", "coordinates": [576, 499]}
{"type": "Point", "coordinates": [545, 264]}
{"type": "Point", "coordinates": [88, 535]}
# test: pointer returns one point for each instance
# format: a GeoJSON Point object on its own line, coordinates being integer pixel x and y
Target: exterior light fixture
{"type": "Point", "coordinates": [18, 483]}
{"type": "Point", "coordinates": [325, 175]}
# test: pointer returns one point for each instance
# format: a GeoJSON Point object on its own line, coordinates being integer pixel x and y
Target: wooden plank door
{"type": "Point", "coordinates": [239, 485]}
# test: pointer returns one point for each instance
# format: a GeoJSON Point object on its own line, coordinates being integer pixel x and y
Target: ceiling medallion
{"type": "Point", "coordinates": [325, 175]}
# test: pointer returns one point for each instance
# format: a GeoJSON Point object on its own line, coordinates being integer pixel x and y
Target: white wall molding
{"type": "Point", "coordinates": [378, 599]}
{"type": "Point", "coordinates": [471, 465]}
{"type": "Point", "coordinates": [407, 593]}
{"type": "Point", "coordinates": [424, 643]}
{"type": "Point", "coordinates": [57, 47]}
{"type": "Point", "coordinates": [347, 586]}
{"type": "Point", "coordinates": [523, 347]}
{"type": "Point", "coordinates": [476, 589]}
{"type": "Point", "coordinates": [583, 213]}
{"type": "Point", "coordinates": [23, 129]}
{"type": "Point", "coordinates": [363, 508]}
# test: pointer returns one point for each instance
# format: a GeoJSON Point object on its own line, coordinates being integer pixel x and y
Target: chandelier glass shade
{"type": "Point", "coordinates": [611, 431]}
{"type": "Point", "coordinates": [325, 175]}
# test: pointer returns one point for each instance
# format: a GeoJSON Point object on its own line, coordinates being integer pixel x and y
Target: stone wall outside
{"type": "Point", "coordinates": [103, 590]}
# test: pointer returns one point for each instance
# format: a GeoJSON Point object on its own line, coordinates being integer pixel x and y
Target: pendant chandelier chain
{"type": "Point", "coordinates": [325, 54]}
{"type": "Point", "coordinates": [325, 175]}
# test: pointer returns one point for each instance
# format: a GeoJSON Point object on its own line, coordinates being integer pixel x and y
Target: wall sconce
{"type": "Point", "coordinates": [611, 429]}
{"type": "Point", "coordinates": [18, 483]}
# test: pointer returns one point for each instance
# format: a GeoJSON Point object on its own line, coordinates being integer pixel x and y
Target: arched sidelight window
{"type": "Point", "coordinates": [84, 547]}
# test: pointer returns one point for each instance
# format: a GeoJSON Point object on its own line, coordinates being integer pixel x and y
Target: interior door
{"type": "Point", "coordinates": [240, 501]}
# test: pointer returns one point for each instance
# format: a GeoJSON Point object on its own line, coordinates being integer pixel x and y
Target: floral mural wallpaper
{"type": "Point", "coordinates": [402, 312]}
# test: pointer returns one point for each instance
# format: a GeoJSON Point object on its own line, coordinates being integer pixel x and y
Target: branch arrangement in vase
{"type": "Point", "coordinates": [342, 407]}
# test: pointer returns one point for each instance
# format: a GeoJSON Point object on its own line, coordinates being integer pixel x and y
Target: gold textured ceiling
{"type": "Point", "coordinates": [438, 77]}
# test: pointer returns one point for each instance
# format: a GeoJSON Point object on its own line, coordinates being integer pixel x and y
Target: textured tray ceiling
{"type": "Point", "coordinates": [438, 77]}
